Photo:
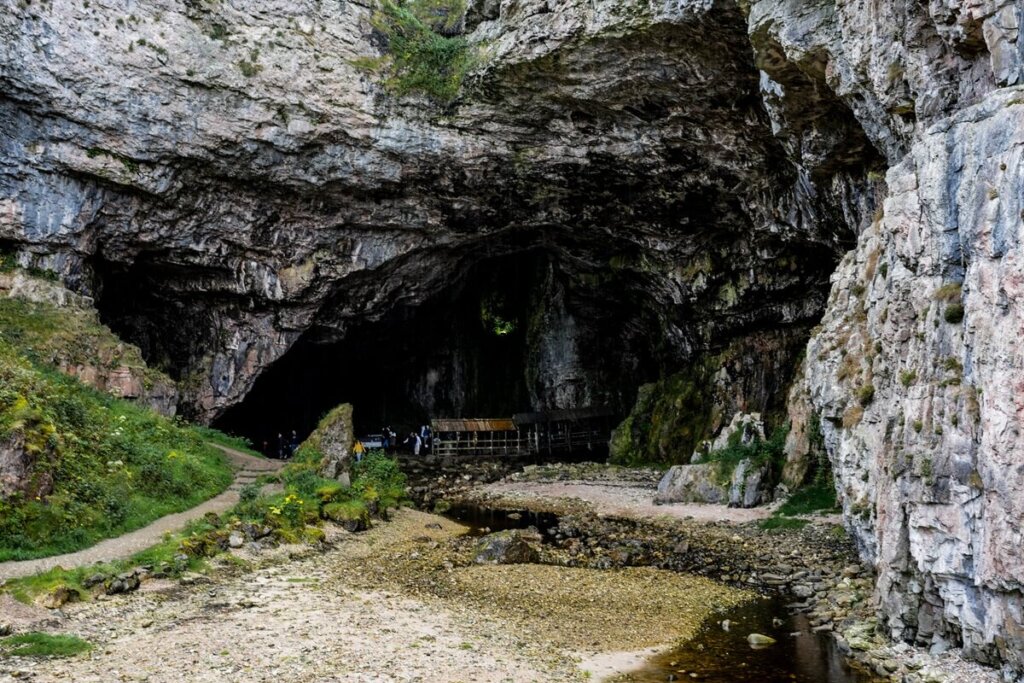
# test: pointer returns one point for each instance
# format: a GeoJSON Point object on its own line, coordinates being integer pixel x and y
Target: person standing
{"type": "Point", "coordinates": [414, 442]}
{"type": "Point", "coordinates": [358, 449]}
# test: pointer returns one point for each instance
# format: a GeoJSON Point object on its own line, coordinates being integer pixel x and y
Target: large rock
{"type": "Point", "coordinates": [22, 469]}
{"type": "Point", "coordinates": [505, 547]}
{"type": "Point", "coordinates": [702, 482]}
{"type": "Point", "coordinates": [692, 484]}
{"type": "Point", "coordinates": [333, 439]}
{"type": "Point", "coordinates": [747, 486]}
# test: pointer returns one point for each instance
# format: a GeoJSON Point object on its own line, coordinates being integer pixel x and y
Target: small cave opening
{"type": "Point", "coordinates": [508, 334]}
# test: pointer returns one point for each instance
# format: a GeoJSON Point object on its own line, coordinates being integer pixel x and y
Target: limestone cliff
{"type": "Point", "coordinates": [648, 187]}
{"type": "Point", "coordinates": [224, 180]}
{"type": "Point", "coordinates": [916, 376]}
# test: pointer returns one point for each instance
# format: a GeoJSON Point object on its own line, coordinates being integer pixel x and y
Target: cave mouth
{"type": "Point", "coordinates": [509, 334]}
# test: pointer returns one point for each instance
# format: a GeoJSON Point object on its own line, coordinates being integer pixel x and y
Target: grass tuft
{"type": "Point", "coordinates": [36, 644]}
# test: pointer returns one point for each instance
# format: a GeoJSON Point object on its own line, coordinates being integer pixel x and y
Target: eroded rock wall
{"type": "Point", "coordinates": [916, 374]}
{"type": "Point", "coordinates": [225, 181]}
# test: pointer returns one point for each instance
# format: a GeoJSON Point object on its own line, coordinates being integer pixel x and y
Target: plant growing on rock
{"type": "Point", "coordinates": [759, 452]}
{"type": "Point", "coordinates": [420, 57]}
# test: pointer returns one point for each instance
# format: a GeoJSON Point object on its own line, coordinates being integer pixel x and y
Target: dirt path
{"type": "Point", "coordinates": [247, 469]}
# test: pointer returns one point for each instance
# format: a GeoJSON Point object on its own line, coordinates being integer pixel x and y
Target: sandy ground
{"type": "Point", "coordinates": [127, 545]}
{"type": "Point", "coordinates": [609, 498]}
{"type": "Point", "coordinates": [627, 501]}
{"type": "Point", "coordinates": [307, 619]}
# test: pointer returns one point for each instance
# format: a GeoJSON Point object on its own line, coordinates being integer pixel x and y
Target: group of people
{"type": "Point", "coordinates": [284, 447]}
{"type": "Point", "coordinates": [421, 441]}
{"type": "Point", "coordinates": [418, 442]}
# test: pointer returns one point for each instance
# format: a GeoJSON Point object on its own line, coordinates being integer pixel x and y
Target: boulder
{"type": "Point", "coordinates": [691, 484]}
{"type": "Point", "coordinates": [19, 473]}
{"type": "Point", "coordinates": [333, 439]}
{"type": "Point", "coordinates": [749, 485]}
{"type": "Point", "coordinates": [505, 547]}
{"type": "Point", "coordinates": [126, 582]}
{"type": "Point", "coordinates": [58, 597]}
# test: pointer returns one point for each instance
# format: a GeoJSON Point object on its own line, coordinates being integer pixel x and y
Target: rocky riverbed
{"type": "Point", "coordinates": [420, 599]}
{"type": "Point", "coordinates": [402, 602]}
{"type": "Point", "coordinates": [607, 520]}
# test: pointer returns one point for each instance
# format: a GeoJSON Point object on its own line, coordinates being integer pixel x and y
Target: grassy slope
{"type": "Point", "coordinates": [115, 466]}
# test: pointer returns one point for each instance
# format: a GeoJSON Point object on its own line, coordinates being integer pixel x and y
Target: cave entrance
{"type": "Point", "coordinates": [499, 339]}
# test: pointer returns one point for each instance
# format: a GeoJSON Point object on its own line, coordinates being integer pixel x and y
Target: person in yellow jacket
{"type": "Point", "coordinates": [359, 449]}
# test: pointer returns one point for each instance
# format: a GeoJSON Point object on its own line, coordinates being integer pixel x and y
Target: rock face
{"type": "Point", "coordinates": [926, 311]}
{"type": "Point", "coordinates": [223, 200]}
{"type": "Point", "coordinates": [19, 474]}
{"type": "Point", "coordinates": [692, 484]}
{"type": "Point", "coordinates": [747, 486]}
{"type": "Point", "coordinates": [333, 439]}
{"type": "Point", "coordinates": [79, 345]}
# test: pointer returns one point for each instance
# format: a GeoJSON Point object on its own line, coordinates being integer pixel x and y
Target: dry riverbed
{"type": "Point", "coordinates": [402, 602]}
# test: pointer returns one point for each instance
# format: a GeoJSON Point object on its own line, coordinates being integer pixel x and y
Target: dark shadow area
{"type": "Point", "coordinates": [482, 347]}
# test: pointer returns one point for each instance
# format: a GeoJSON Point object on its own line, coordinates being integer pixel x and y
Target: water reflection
{"type": "Point", "coordinates": [720, 656]}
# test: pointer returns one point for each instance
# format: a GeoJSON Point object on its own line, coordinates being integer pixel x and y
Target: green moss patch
{"type": "Point", "coordinates": [37, 644]}
{"type": "Point", "coordinates": [420, 57]}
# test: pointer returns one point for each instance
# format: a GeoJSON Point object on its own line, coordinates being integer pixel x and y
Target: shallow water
{"type": "Point", "coordinates": [484, 520]}
{"type": "Point", "coordinates": [715, 655]}
{"type": "Point", "coordinates": [719, 656]}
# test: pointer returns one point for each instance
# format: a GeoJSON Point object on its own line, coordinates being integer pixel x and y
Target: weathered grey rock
{"type": "Point", "coordinates": [505, 547]}
{"type": "Point", "coordinates": [333, 439]}
{"type": "Point", "coordinates": [692, 484]}
{"type": "Point", "coordinates": [236, 539]}
{"type": "Point", "coordinates": [749, 485]}
{"type": "Point", "coordinates": [94, 580]}
{"type": "Point", "coordinates": [125, 582]}
{"type": "Point", "coordinates": [217, 213]}
{"type": "Point", "coordinates": [927, 468]}
{"type": "Point", "coordinates": [19, 468]}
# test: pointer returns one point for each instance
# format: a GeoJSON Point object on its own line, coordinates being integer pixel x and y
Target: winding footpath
{"type": "Point", "coordinates": [247, 469]}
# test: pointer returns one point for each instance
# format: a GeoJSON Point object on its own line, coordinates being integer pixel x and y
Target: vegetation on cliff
{"type": "Point", "coordinates": [421, 56]}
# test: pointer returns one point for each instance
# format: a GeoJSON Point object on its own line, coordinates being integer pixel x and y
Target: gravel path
{"type": "Point", "coordinates": [247, 469]}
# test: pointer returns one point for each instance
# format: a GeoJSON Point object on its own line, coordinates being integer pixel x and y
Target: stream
{"type": "Point", "coordinates": [715, 655]}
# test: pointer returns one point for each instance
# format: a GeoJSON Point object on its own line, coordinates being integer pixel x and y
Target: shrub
{"type": "Point", "coordinates": [769, 452]}
{"type": "Point", "coordinates": [866, 394]}
{"type": "Point", "coordinates": [378, 478]}
{"type": "Point", "coordinates": [907, 377]}
{"type": "Point", "coordinates": [419, 59]}
{"type": "Point", "coordinates": [954, 313]}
